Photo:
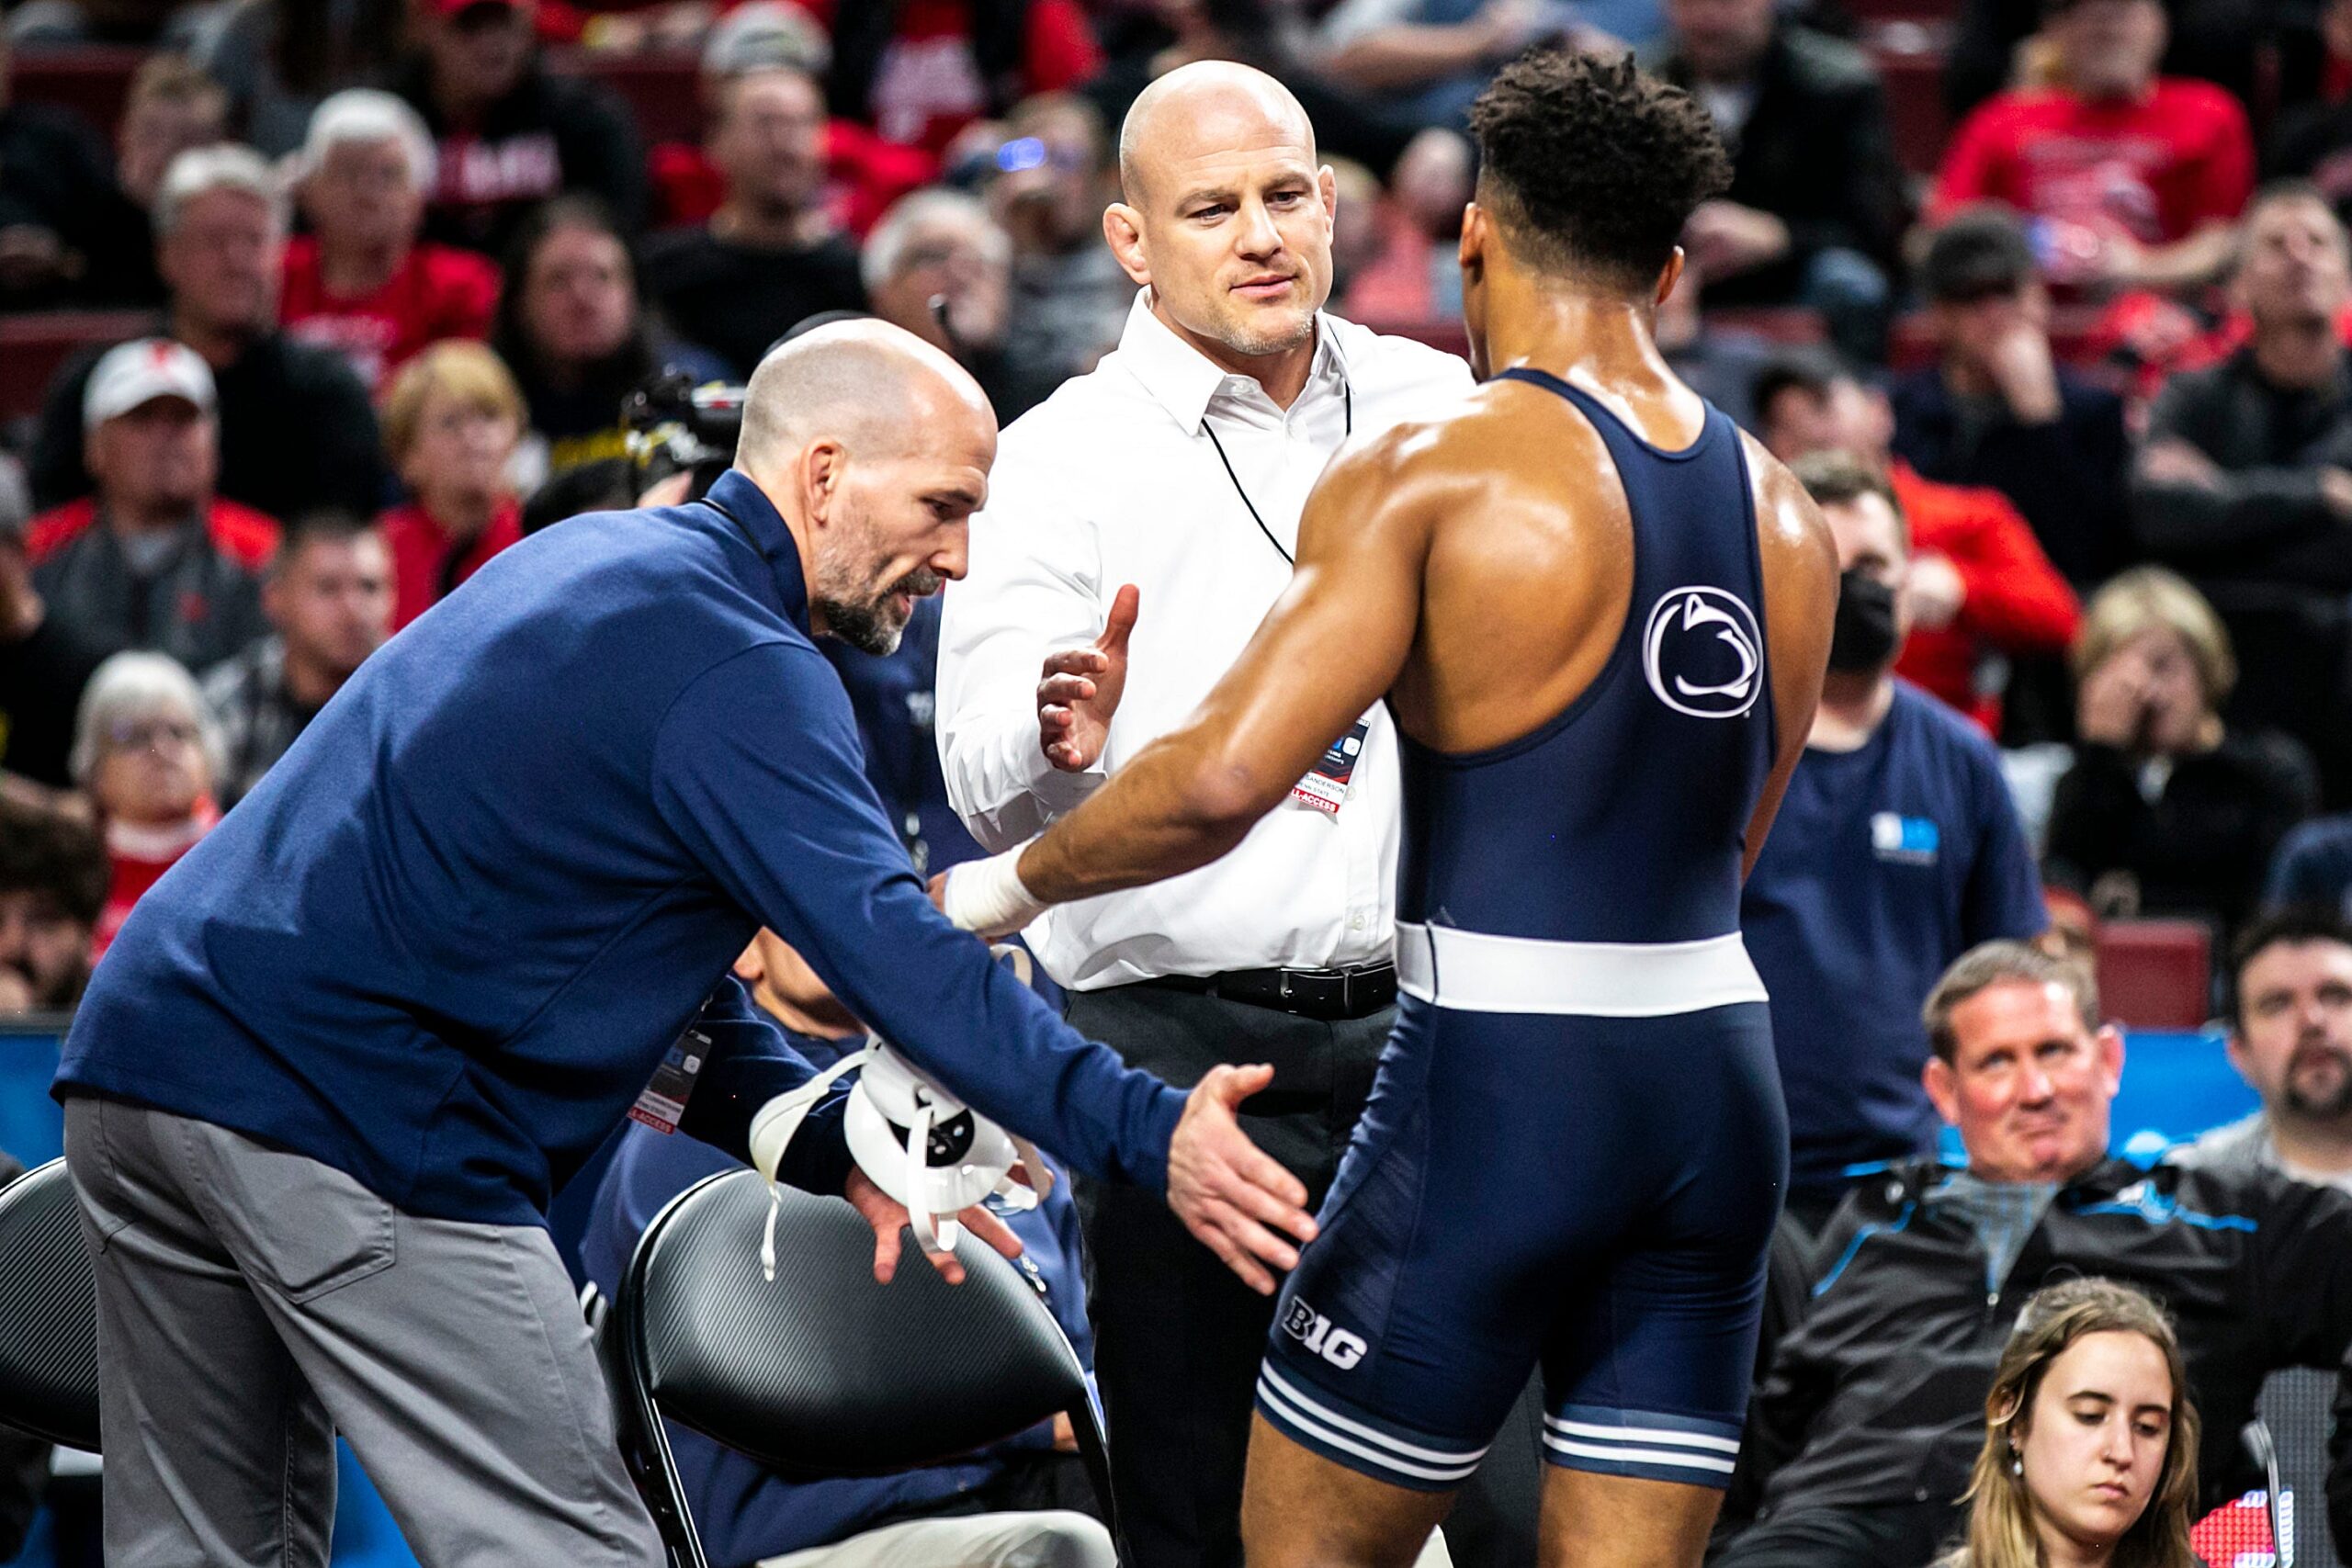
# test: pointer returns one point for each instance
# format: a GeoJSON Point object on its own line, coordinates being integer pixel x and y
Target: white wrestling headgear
{"type": "Point", "coordinates": [913, 1138]}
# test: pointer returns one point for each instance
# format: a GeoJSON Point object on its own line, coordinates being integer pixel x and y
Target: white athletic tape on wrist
{"type": "Point", "coordinates": [989, 896]}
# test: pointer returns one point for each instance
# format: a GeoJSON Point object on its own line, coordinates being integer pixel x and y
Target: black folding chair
{"type": "Point", "coordinates": [49, 1313]}
{"type": "Point", "coordinates": [824, 1372]}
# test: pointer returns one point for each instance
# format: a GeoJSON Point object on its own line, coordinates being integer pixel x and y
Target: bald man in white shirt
{"type": "Point", "coordinates": [1172, 477]}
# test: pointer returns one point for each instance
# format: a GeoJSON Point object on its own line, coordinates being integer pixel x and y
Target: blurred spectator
{"type": "Point", "coordinates": [154, 558]}
{"type": "Point", "coordinates": [359, 283]}
{"type": "Point", "coordinates": [173, 107]}
{"type": "Point", "coordinates": [2245, 480]}
{"type": "Point", "coordinates": [328, 600]}
{"type": "Point", "coordinates": [943, 245]}
{"type": "Point", "coordinates": [2166, 811]}
{"type": "Point", "coordinates": [509, 132]}
{"type": "Point", "coordinates": [1430, 58]}
{"type": "Point", "coordinates": [1413, 276]}
{"type": "Point", "coordinates": [1817, 205]}
{"type": "Point", "coordinates": [1999, 410]}
{"type": "Point", "coordinates": [152, 24]}
{"type": "Point", "coordinates": [1862, 1437]}
{"type": "Point", "coordinates": [1895, 850]}
{"type": "Point", "coordinates": [770, 254]}
{"type": "Point", "coordinates": [146, 751]}
{"type": "Point", "coordinates": [53, 877]}
{"type": "Point", "coordinates": [2312, 869]}
{"type": "Point", "coordinates": [451, 422]}
{"type": "Point", "coordinates": [277, 60]}
{"type": "Point", "coordinates": [1359, 223]}
{"type": "Point", "coordinates": [295, 431]}
{"type": "Point", "coordinates": [54, 191]}
{"type": "Point", "coordinates": [2090, 1439]}
{"type": "Point", "coordinates": [571, 327]}
{"type": "Point", "coordinates": [2314, 139]}
{"type": "Point", "coordinates": [920, 72]}
{"type": "Point", "coordinates": [2132, 179]}
{"type": "Point", "coordinates": [1009, 1506]}
{"type": "Point", "coordinates": [1070, 297]}
{"type": "Point", "coordinates": [2004, 43]}
{"type": "Point", "coordinates": [863, 174]}
{"type": "Point", "coordinates": [44, 664]}
{"type": "Point", "coordinates": [2246, 470]}
{"type": "Point", "coordinates": [1979, 589]}
{"type": "Point", "coordinates": [2291, 1037]}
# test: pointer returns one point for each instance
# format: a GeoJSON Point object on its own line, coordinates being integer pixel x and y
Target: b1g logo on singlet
{"type": "Point", "coordinates": [1703, 653]}
{"type": "Point", "coordinates": [1312, 1329]}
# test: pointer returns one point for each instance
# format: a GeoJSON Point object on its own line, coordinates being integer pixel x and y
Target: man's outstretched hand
{"type": "Point", "coordinates": [888, 1217]}
{"type": "Point", "coordinates": [1079, 690]}
{"type": "Point", "coordinates": [1234, 1198]}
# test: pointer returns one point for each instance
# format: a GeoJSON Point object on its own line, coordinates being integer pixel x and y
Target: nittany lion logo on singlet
{"type": "Point", "coordinates": [1703, 653]}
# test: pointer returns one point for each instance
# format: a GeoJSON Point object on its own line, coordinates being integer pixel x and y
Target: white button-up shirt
{"type": "Point", "coordinates": [1115, 479]}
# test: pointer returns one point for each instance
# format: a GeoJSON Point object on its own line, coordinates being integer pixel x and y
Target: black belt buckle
{"type": "Point", "coordinates": [1319, 993]}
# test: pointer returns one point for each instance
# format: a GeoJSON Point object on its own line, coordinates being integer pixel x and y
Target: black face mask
{"type": "Point", "coordinates": [1862, 641]}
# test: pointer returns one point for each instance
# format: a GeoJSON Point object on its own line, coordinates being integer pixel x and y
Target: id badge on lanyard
{"type": "Point", "coordinates": [1327, 784]}
{"type": "Point", "coordinates": [663, 1100]}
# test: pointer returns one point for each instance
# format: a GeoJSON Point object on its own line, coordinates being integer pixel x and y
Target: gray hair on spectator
{"type": "Point", "coordinates": [2003, 963]}
{"type": "Point", "coordinates": [887, 244]}
{"type": "Point", "coordinates": [364, 116]}
{"type": "Point", "coordinates": [135, 685]}
{"type": "Point", "coordinates": [225, 165]}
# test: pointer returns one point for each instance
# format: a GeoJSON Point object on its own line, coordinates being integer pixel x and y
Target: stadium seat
{"type": "Point", "coordinates": [2155, 973]}
{"type": "Point", "coordinates": [49, 1313]}
{"type": "Point", "coordinates": [34, 346]}
{"type": "Point", "coordinates": [824, 1371]}
{"type": "Point", "coordinates": [93, 80]}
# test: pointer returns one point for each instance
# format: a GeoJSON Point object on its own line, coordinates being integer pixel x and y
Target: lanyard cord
{"type": "Point", "coordinates": [1348, 403]}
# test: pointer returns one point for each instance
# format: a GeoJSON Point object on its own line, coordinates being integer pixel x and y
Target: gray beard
{"type": "Point", "coordinates": [863, 624]}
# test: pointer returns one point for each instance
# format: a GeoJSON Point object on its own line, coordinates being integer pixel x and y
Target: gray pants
{"type": "Point", "coordinates": [252, 1302]}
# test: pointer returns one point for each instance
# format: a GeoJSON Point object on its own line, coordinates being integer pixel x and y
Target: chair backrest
{"type": "Point", "coordinates": [2155, 973]}
{"type": "Point", "coordinates": [49, 1313]}
{"type": "Point", "coordinates": [824, 1371]}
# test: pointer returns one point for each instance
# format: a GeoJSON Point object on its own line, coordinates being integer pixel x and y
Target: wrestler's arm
{"type": "Point", "coordinates": [1329, 649]}
{"type": "Point", "coordinates": [1800, 562]}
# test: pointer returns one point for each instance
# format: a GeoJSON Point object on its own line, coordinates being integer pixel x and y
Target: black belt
{"type": "Point", "coordinates": [1310, 993]}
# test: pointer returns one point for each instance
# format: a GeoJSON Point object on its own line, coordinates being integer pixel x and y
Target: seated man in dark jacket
{"type": "Point", "coordinates": [1013, 1505]}
{"type": "Point", "coordinates": [1816, 204]}
{"type": "Point", "coordinates": [1860, 1440]}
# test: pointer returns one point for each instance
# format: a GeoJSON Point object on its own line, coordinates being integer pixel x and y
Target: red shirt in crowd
{"type": "Point", "coordinates": [2015, 602]}
{"type": "Point", "coordinates": [438, 292]}
{"type": "Point", "coordinates": [2155, 168]}
{"type": "Point", "coordinates": [137, 857]}
{"type": "Point", "coordinates": [427, 565]}
{"type": "Point", "coordinates": [863, 175]}
{"type": "Point", "coordinates": [929, 86]}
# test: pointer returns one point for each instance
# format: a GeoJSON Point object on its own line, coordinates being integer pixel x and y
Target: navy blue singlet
{"type": "Point", "coordinates": [1575, 1150]}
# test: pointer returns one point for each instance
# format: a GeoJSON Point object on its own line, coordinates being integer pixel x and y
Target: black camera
{"type": "Point", "coordinates": [678, 425]}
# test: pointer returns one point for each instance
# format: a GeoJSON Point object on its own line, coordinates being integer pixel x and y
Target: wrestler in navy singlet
{"type": "Point", "coordinates": [1574, 1149]}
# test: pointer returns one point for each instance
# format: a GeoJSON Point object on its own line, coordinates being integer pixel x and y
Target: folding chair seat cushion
{"type": "Point", "coordinates": [49, 1313]}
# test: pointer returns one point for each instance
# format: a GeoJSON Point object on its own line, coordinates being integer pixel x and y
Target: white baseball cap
{"type": "Point", "coordinates": [140, 371]}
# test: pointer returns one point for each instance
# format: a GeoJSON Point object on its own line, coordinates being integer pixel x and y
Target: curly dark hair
{"type": "Point", "coordinates": [1591, 165]}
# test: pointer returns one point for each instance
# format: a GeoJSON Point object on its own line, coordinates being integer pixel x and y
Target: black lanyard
{"type": "Point", "coordinates": [1348, 403]}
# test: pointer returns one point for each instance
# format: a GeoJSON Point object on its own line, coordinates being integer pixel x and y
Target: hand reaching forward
{"type": "Point", "coordinates": [1232, 1196]}
{"type": "Point", "coordinates": [1081, 690]}
{"type": "Point", "coordinates": [889, 1217]}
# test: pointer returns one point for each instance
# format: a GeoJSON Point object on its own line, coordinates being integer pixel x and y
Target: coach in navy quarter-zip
{"type": "Point", "coordinates": [323, 1086]}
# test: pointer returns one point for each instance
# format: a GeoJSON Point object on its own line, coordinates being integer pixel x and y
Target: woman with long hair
{"type": "Point", "coordinates": [2090, 1439]}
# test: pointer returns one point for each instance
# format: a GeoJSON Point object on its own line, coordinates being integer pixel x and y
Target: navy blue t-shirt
{"type": "Point", "coordinates": [445, 941]}
{"type": "Point", "coordinates": [1885, 863]}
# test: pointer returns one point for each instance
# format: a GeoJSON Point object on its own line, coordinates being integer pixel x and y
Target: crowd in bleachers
{"type": "Point", "coordinates": [308, 308]}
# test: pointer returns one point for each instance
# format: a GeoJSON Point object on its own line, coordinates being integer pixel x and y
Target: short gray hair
{"type": "Point", "coordinates": [134, 685]}
{"type": "Point", "coordinates": [365, 116]}
{"type": "Point", "coordinates": [1991, 963]}
{"type": "Point", "coordinates": [887, 244]}
{"type": "Point", "coordinates": [225, 165]}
